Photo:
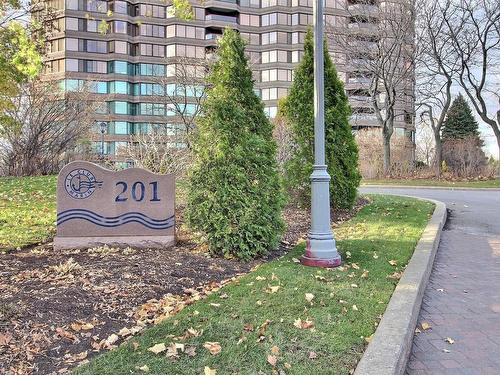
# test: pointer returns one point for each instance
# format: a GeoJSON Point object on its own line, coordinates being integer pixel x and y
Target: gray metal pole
{"type": "Point", "coordinates": [321, 249]}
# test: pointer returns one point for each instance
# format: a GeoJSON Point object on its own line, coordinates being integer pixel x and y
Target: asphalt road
{"type": "Point", "coordinates": [462, 300]}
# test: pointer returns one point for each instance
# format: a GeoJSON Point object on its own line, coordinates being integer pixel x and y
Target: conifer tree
{"type": "Point", "coordinates": [341, 149]}
{"type": "Point", "coordinates": [460, 122]}
{"type": "Point", "coordinates": [235, 197]}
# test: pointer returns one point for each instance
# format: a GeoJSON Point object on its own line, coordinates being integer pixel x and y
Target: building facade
{"type": "Point", "coordinates": [129, 53]}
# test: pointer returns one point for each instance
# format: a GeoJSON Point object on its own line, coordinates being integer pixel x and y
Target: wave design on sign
{"type": "Point", "coordinates": [115, 221]}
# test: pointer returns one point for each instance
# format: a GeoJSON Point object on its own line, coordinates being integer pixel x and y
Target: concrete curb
{"type": "Point", "coordinates": [395, 186]}
{"type": "Point", "coordinates": [390, 348]}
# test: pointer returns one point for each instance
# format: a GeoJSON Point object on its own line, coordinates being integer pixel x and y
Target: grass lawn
{"type": "Point", "coordinates": [27, 210]}
{"type": "Point", "coordinates": [495, 183]}
{"type": "Point", "coordinates": [346, 306]}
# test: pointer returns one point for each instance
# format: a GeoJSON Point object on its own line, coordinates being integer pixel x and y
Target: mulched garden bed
{"type": "Point", "coordinates": [58, 309]}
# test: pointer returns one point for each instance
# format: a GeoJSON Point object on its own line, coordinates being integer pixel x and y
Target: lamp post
{"type": "Point", "coordinates": [102, 128]}
{"type": "Point", "coordinates": [321, 249]}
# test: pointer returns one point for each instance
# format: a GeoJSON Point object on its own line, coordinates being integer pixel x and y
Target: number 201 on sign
{"type": "Point", "coordinates": [137, 191]}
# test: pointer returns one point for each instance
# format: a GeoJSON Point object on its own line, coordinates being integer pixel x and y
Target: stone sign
{"type": "Point", "coordinates": [96, 206]}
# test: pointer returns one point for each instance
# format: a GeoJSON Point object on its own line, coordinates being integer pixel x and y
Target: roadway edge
{"type": "Point", "coordinates": [390, 347]}
{"type": "Point", "coordinates": [395, 186]}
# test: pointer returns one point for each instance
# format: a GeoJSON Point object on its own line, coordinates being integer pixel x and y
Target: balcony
{"type": "Point", "coordinates": [221, 18]}
{"type": "Point", "coordinates": [363, 26]}
{"type": "Point", "coordinates": [363, 119]}
{"type": "Point", "coordinates": [362, 9]}
{"type": "Point", "coordinates": [361, 80]}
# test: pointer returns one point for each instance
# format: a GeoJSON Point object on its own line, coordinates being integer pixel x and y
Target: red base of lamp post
{"type": "Point", "coordinates": [308, 259]}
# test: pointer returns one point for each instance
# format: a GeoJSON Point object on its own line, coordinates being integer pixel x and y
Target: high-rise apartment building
{"type": "Point", "coordinates": [130, 51]}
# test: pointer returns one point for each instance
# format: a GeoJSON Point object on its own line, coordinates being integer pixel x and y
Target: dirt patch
{"type": "Point", "coordinates": [58, 309]}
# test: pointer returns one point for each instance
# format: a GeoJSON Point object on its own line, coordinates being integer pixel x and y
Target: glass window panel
{"type": "Point", "coordinates": [120, 67]}
{"type": "Point", "coordinates": [121, 127]}
{"type": "Point", "coordinates": [71, 23]}
{"type": "Point", "coordinates": [71, 65]}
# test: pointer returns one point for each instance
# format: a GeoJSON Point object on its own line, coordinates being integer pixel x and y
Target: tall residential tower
{"type": "Point", "coordinates": [130, 52]}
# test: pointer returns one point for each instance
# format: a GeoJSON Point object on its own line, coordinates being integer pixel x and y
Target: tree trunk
{"type": "Point", "coordinates": [387, 154]}
{"type": "Point", "coordinates": [438, 158]}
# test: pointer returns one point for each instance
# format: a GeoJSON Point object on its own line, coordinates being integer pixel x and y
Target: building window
{"type": "Point", "coordinates": [120, 27]}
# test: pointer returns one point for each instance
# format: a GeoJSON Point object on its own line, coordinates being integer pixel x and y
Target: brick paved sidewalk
{"type": "Point", "coordinates": [461, 302]}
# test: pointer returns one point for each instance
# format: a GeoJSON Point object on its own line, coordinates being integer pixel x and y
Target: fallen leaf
{"type": "Point", "coordinates": [355, 308]}
{"type": "Point", "coordinates": [449, 340]}
{"type": "Point", "coordinates": [355, 266]}
{"type": "Point", "coordinates": [425, 326]}
{"type": "Point", "coordinates": [213, 347]}
{"type": "Point", "coordinates": [158, 348]}
{"type": "Point", "coordinates": [260, 278]}
{"type": "Point", "coordinates": [144, 368]}
{"type": "Point", "coordinates": [287, 365]}
{"type": "Point", "coordinates": [354, 285]}
{"type": "Point", "coordinates": [87, 326]}
{"type": "Point", "coordinates": [303, 324]}
{"type": "Point", "coordinates": [375, 256]}
{"type": "Point", "coordinates": [172, 350]}
{"type": "Point", "coordinates": [364, 274]}
{"type": "Point", "coordinates": [124, 332]}
{"type": "Point", "coordinates": [190, 351]}
{"type": "Point", "coordinates": [272, 289]}
{"type": "Point", "coordinates": [248, 327]}
{"type": "Point", "coordinates": [369, 338]}
{"type": "Point", "coordinates": [65, 334]}
{"type": "Point", "coordinates": [313, 355]}
{"type": "Point", "coordinates": [393, 262]}
{"type": "Point", "coordinates": [209, 371]}
{"type": "Point", "coordinates": [111, 340]}
{"type": "Point", "coordinates": [271, 359]}
{"type": "Point", "coordinates": [263, 327]}
{"type": "Point", "coordinates": [295, 260]}
{"type": "Point", "coordinates": [215, 304]}
{"type": "Point", "coordinates": [309, 297]}
{"type": "Point", "coordinates": [223, 296]}
{"type": "Point", "coordinates": [320, 278]}
{"type": "Point", "coordinates": [275, 350]}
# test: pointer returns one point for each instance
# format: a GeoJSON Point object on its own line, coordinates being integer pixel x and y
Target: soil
{"type": "Point", "coordinates": [59, 309]}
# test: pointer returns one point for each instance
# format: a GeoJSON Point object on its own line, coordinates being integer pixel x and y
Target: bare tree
{"type": "Point", "coordinates": [42, 126]}
{"type": "Point", "coordinates": [425, 143]}
{"type": "Point", "coordinates": [474, 33]}
{"type": "Point", "coordinates": [283, 136]}
{"type": "Point", "coordinates": [159, 154]}
{"type": "Point", "coordinates": [436, 68]}
{"type": "Point", "coordinates": [385, 57]}
{"type": "Point", "coordinates": [185, 99]}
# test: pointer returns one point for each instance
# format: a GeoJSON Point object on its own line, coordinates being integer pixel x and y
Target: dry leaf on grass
{"type": "Point", "coordinates": [271, 359]}
{"type": "Point", "coordinates": [158, 348]}
{"type": "Point", "coordinates": [313, 355]}
{"type": "Point", "coordinates": [309, 297]}
{"type": "Point", "coordinates": [209, 371]}
{"type": "Point", "coordinates": [213, 347]}
{"type": "Point", "coordinates": [303, 324]}
{"type": "Point", "coordinates": [393, 262]}
{"type": "Point", "coordinates": [272, 289]}
{"type": "Point", "coordinates": [275, 350]}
